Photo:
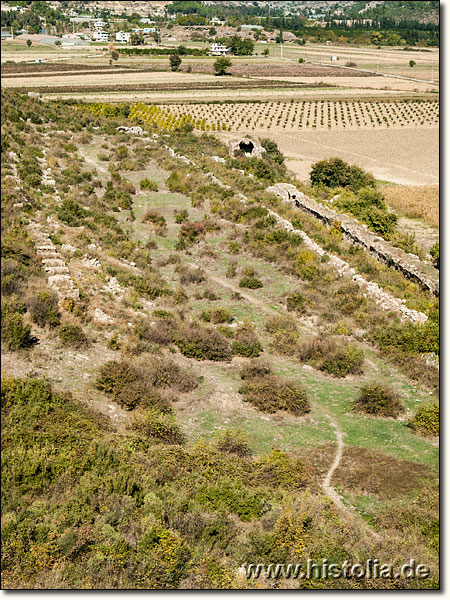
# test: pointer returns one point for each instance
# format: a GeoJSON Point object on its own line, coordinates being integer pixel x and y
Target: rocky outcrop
{"type": "Point", "coordinates": [409, 264]}
{"type": "Point", "coordinates": [247, 147]}
{"type": "Point", "coordinates": [133, 130]}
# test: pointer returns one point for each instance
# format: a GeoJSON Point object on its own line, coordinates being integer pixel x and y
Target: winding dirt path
{"type": "Point", "coordinates": [329, 490]}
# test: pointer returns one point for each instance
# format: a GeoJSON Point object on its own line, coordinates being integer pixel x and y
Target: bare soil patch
{"type": "Point", "coordinates": [373, 472]}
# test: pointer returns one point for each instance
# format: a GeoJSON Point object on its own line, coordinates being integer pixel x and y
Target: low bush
{"type": "Point", "coordinates": [295, 302]}
{"type": "Point", "coordinates": [157, 220]}
{"type": "Point", "coordinates": [161, 332]}
{"type": "Point", "coordinates": [233, 441]}
{"type": "Point", "coordinates": [378, 400]}
{"type": "Point", "coordinates": [284, 334]}
{"type": "Point", "coordinates": [157, 425]}
{"type": "Point", "coordinates": [348, 359]}
{"type": "Point", "coordinates": [331, 356]}
{"type": "Point", "coordinates": [188, 275]}
{"type": "Point", "coordinates": [434, 251]}
{"type": "Point", "coordinates": [369, 206]}
{"type": "Point", "coordinates": [43, 308]}
{"type": "Point", "coordinates": [71, 213]}
{"type": "Point", "coordinates": [72, 335]}
{"type": "Point", "coordinates": [15, 333]}
{"type": "Point", "coordinates": [246, 343]}
{"type": "Point", "coordinates": [202, 344]}
{"type": "Point", "coordinates": [251, 283]}
{"type": "Point", "coordinates": [255, 369]}
{"type": "Point", "coordinates": [233, 497]}
{"type": "Point", "coordinates": [165, 373]}
{"type": "Point", "coordinates": [128, 385]}
{"type": "Point", "coordinates": [409, 337]}
{"type": "Point", "coordinates": [270, 394]}
{"type": "Point", "coordinates": [148, 185]}
{"type": "Point", "coordinates": [181, 216]}
{"type": "Point", "coordinates": [426, 419]}
{"type": "Point", "coordinates": [217, 315]}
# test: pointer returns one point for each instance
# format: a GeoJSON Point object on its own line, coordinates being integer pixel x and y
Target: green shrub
{"type": "Point", "coordinates": [127, 385]}
{"type": "Point", "coordinates": [202, 344]}
{"type": "Point", "coordinates": [181, 216]}
{"type": "Point", "coordinates": [163, 372]}
{"type": "Point", "coordinates": [378, 400]}
{"type": "Point", "coordinates": [157, 425]}
{"type": "Point", "coordinates": [246, 343]}
{"type": "Point", "coordinates": [345, 360]}
{"type": "Point", "coordinates": [188, 275]}
{"type": "Point", "coordinates": [295, 302]}
{"type": "Point", "coordinates": [71, 213]}
{"type": "Point", "coordinates": [334, 172]}
{"type": "Point", "coordinates": [270, 394]}
{"type": "Point", "coordinates": [278, 469]}
{"type": "Point", "coordinates": [147, 184]}
{"type": "Point", "coordinates": [332, 356]}
{"type": "Point", "coordinates": [255, 369]}
{"type": "Point", "coordinates": [25, 391]}
{"type": "Point", "coordinates": [409, 337]}
{"type": "Point", "coordinates": [426, 419]}
{"type": "Point", "coordinates": [161, 332]}
{"type": "Point", "coordinates": [251, 283]}
{"type": "Point", "coordinates": [16, 334]}
{"type": "Point", "coordinates": [154, 217]}
{"type": "Point", "coordinates": [114, 377]}
{"type": "Point", "coordinates": [284, 334]}
{"type": "Point", "coordinates": [434, 251]}
{"type": "Point", "coordinates": [43, 309]}
{"type": "Point", "coordinates": [218, 315]}
{"type": "Point", "coordinates": [233, 441]}
{"type": "Point", "coordinates": [232, 497]}
{"type": "Point", "coordinates": [272, 150]}
{"type": "Point", "coordinates": [72, 335]}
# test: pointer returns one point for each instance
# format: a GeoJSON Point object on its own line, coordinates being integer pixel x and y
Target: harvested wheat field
{"type": "Point", "coordinates": [395, 155]}
{"type": "Point", "coordinates": [415, 202]}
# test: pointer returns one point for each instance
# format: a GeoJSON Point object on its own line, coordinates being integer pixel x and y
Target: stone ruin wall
{"type": "Point", "coordinates": [409, 264]}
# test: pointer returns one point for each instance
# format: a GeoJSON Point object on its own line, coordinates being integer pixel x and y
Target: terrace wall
{"type": "Point", "coordinates": [409, 264]}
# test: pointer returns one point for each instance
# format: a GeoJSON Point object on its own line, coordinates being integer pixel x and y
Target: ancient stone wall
{"type": "Point", "coordinates": [409, 264]}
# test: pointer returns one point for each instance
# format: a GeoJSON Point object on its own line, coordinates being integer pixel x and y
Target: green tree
{"type": "Point", "coordinates": [29, 42]}
{"type": "Point", "coordinates": [221, 65]}
{"type": "Point", "coordinates": [175, 62]}
{"type": "Point", "coordinates": [412, 63]}
{"type": "Point", "coordinates": [58, 43]}
{"type": "Point", "coordinates": [240, 47]}
{"type": "Point", "coordinates": [266, 52]}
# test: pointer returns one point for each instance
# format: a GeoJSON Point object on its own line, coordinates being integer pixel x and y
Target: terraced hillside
{"type": "Point", "coordinates": [191, 380]}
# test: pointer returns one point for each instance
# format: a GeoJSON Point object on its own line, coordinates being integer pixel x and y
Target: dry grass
{"type": "Point", "coordinates": [415, 202]}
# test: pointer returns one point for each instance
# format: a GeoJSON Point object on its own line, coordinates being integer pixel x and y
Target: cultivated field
{"type": "Point", "coordinates": [296, 114]}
